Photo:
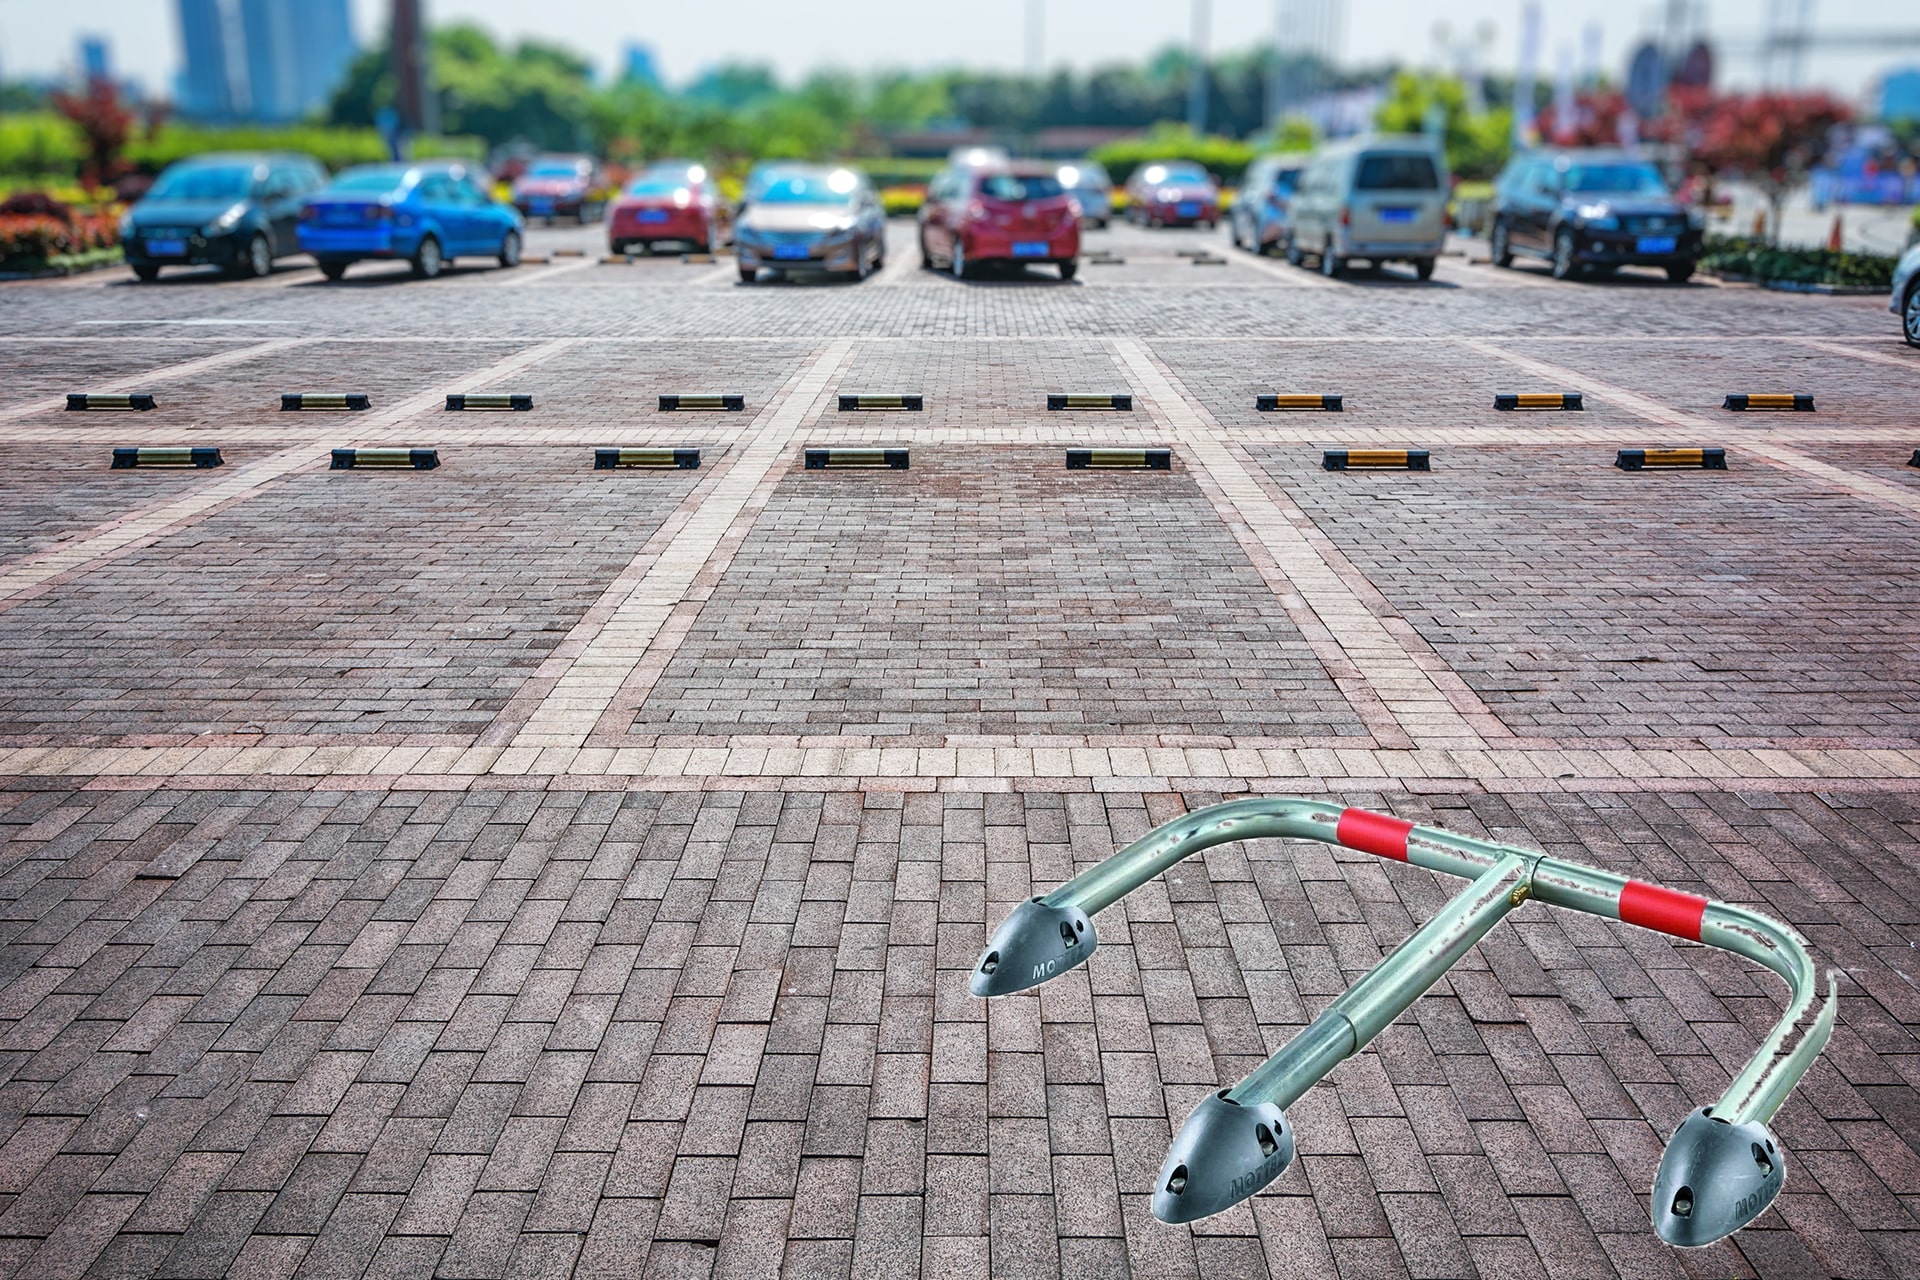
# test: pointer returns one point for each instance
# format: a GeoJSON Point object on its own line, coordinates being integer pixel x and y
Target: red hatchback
{"type": "Point", "coordinates": [1173, 193]}
{"type": "Point", "coordinates": [665, 205]}
{"type": "Point", "coordinates": [1000, 213]}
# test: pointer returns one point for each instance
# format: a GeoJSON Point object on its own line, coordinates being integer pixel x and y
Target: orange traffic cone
{"type": "Point", "coordinates": [1833, 237]}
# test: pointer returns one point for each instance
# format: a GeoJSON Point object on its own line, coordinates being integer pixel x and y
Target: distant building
{"type": "Point", "coordinates": [205, 84]}
{"type": "Point", "coordinates": [1900, 95]}
{"type": "Point", "coordinates": [640, 67]}
{"type": "Point", "coordinates": [95, 64]}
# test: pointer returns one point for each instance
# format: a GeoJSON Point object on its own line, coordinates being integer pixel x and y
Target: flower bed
{"type": "Point", "coordinates": [36, 242]}
{"type": "Point", "coordinates": [1744, 258]}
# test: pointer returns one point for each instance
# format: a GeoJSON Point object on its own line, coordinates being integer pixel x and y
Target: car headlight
{"type": "Point", "coordinates": [127, 228]}
{"type": "Point", "coordinates": [1597, 217]}
{"type": "Point", "coordinates": [227, 221]}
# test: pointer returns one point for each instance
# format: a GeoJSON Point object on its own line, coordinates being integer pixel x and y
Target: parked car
{"type": "Point", "coordinates": [665, 204]}
{"type": "Point", "coordinates": [1379, 199]}
{"type": "Point", "coordinates": [1012, 213]}
{"type": "Point", "coordinates": [427, 214]}
{"type": "Point", "coordinates": [236, 210]}
{"type": "Point", "coordinates": [1173, 193]}
{"type": "Point", "coordinates": [1087, 182]}
{"type": "Point", "coordinates": [1262, 215]}
{"type": "Point", "coordinates": [559, 186]}
{"type": "Point", "coordinates": [811, 218]}
{"type": "Point", "coordinates": [1592, 210]}
{"type": "Point", "coordinates": [1906, 294]}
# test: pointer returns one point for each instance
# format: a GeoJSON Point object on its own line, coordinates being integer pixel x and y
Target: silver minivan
{"type": "Point", "coordinates": [1377, 199]}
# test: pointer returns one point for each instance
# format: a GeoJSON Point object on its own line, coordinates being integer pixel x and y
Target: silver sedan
{"type": "Point", "coordinates": [1906, 294]}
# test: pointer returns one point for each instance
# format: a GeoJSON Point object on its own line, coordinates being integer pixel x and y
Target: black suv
{"type": "Point", "coordinates": [1589, 210]}
{"type": "Point", "coordinates": [240, 210]}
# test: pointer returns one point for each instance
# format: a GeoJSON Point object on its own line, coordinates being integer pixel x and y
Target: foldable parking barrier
{"type": "Point", "coordinates": [458, 402]}
{"type": "Point", "coordinates": [1072, 401]}
{"type": "Point", "coordinates": [182, 456]}
{"type": "Point", "coordinates": [1538, 400]}
{"type": "Point", "coordinates": [722, 403]}
{"type": "Point", "coordinates": [1791, 402]}
{"type": "Point", "coordinates": [1147, 459]}
{"type": "Point", "coordinates": [78, 401]}
{"type": "Point", "coordinates": [1647, 459]}
{"type": "Point", "coordinates": [1354, 459]}
{"type": "Point", "coordinates": [911, 402]}
{"type": "Point", "coordinates": [1721, 1168]}
{"type": "Point", "coordinates": [418, 459]}
{"type": "Point", "coordinates": [611, 459]}
{"type": "Point", "coordinates": [1285, 402]}
{"type": "Point", "coordinates": [353, 401]}
{"type": "Point", "coordinates": [820, 459]}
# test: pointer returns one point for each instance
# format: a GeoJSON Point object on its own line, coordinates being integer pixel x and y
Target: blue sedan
{"type": "Point", "coordinates": [427, 214]}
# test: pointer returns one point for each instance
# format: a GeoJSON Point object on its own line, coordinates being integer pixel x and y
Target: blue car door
{"type": "Point", "coordinates": [486, 221]}
{"type": "Point", "coordinates": [440, 203]}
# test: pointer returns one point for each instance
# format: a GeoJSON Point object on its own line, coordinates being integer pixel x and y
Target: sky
{"type": "Point", "coordinates": [38, 39]}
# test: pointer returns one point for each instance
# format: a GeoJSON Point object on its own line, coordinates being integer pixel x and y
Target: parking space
{"type": "Point", "coordinates": [51, 492]}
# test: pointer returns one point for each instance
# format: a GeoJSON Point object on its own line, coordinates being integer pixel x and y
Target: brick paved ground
{"type": "Point", "coordinates": [521, 870]}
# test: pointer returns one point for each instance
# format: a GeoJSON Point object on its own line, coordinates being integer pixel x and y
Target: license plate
{"type": "Point", "coordinates": [1657, 244]}
{"type": "Point", "coordinates": [1396, 215]}
{"type": "Point", "coordinates": [543, 206]}
{"type": "Point", "coordinates": [343, 217]}
{"type": "Point", "coordinates": [653, 215]}
{"type": "Point", "coordinates": [166, 248]}
{"type": "Point", "coordinates": [1031, 248]}
{"type": "Point", "coordinates": [790, 252]}
{"type": "Point", "coordinates": [1187, 209]}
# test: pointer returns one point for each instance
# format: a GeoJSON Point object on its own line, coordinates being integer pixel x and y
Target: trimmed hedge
{"type": "Point", "coordinates": [1225, 158]}
{"type": "Point", "coordinates": [1764, 262]}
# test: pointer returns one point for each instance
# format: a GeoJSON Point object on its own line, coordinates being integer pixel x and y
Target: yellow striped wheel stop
{"type": "Point", "coordinates": [1193, 253]}
{"type": "Point", "coordinates": [534, 259]}
{"type": "Point", "coordinates": [700, 258]}
{"type": "Point", "coordinates": [1646, 459]}
{"type": "Point", "coordinates": [567, 253]}
{"type": "Point", "coordinates": [1103, 260]}
{"type": "Point", "coordinates": [613, 459]}
{"type": "Point", "coordinates": [1353, 459]}
{"type": "Point", "coordinates": [353, 401]}
{"type": "Point", "coordinates": [615, 260]}
{"type": "Point", "coordinates": [1285, 402]}
{"type": "Point", "coordinates": [1538, 400]}
{"type": "Point", "coordinates": [418, 459]}
{"type": "Point", "coordinates": [912, 403]}
{"type": "Point", "coordinates": [821, 459]}
{"type": "Point", "coordinates": [458, 402]}
{"type": "Point", "coordinates": [721, 403]}
{"type": "Point", "coordinates": [1790, 402]}
{"type": "Point", "coordinates": [1072, 401]}
{"type": "Point", "coordinates": [1145, 459]}
{"type": "Point", "coordinates": [89, 400]}
{"type": "Point", "coordinates": [183, 456]}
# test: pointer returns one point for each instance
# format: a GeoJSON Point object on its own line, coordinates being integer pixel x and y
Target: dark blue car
{"type": "Point", "coordinates": [427, 214]}
{"type": "Point", "coordinates": [236, 210]}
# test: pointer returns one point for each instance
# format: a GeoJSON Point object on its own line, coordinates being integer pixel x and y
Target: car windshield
{"type": "Point", "coordinates": [1285, 180]}
{"type": "Point", "coordinates": [655, 187]}
{"type": "Point", "coordinates": [1397, 173]}
{"type": "Point", "coordinates": [367, 180]}
{"type": "Point", "coordinates": [203, 182]}
{"type": "Point", "coordinates": [808, 188]}
{"type": "Point", "coordinates": [1020, 186]}
{"type": "Point", "coordinates": [1625, 179]}
{"type": "Point", "coordinates": [554, 171]}
{"type": "Point", "coordinates": [1175, 173]}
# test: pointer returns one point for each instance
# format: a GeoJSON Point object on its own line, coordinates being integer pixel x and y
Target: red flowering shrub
{"type": "Point", "coordinates": [34, 238]}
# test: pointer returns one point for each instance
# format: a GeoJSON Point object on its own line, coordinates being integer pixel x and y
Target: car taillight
{"type": "Point", "coordinates": [1346, 216]}
{"type": "Point", "coordinates": [378, 213]}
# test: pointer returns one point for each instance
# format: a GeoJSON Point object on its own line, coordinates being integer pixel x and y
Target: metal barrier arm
{"type": "Point", "coordinates": [1721, 1168]}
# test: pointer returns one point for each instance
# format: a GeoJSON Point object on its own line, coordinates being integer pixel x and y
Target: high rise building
{"type": "Point", "coordinates": [95, 62]}
{"type": "Point", "coordinates": [206, 87]}
{"type": "Point", "coordinates": [323, 34]}
{"type": "Point", "coordinates": [296, 52]}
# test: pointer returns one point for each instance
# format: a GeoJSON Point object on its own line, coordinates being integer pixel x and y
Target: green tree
{"type": "Point", "coordinates": [1476, 145]}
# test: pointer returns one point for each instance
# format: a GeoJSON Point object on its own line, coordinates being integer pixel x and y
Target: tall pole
{"type": "Point", "coordinates": [418, 109]}
{"type": "Point", "coordinates": [1197, 70]}
{"type": "Point", "coordinates": [1036, 38]}
{"type": "Point", "coordinates": [1523, 83]}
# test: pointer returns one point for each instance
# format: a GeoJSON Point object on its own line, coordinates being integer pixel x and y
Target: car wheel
{"type": "Point", "coordinates": [256, 260]}
{"type": "Point", "coordinates": [510, 248]}
{"type": "Point", "coordinates": [1565, 267]}
{"type": "Point", "coordinates": [1423, 267]}
{"type": "Point", "coordinates": [616, 247]}
{"type": "Point", "coordinates": [958, 261]}
{"type": "Point", "coordinates": [749, 274]}
{"type": "Point", "coordinates": [1330, 265]}
{"type": "Point", "coordinates": [861, 267]}
{"type": "Point", "coordinates": [334, 270]}
{"type": "Point", "coordinates": [1502, 250]}
{"type": "Point", "coordinates": [1069, 269]}
{"type": "Point", "coordinates": [427, 259]}
{"type": "Point", "coordinates": [147, 272]}
{"type": "Point", "coordinates": [1293, 251]}
{"type": "Point", "coordinates": [926, 259]}
{"type": "Point", "coordinates": [1680, 273]}
{"type": "Point", "coordinates": [1910, 315]}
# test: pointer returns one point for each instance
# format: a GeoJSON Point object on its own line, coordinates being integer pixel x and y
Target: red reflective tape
{"type": "Point", "coordinates": [1373, 833]}
{"type": "Point", "coordinates": [1665, 910]}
